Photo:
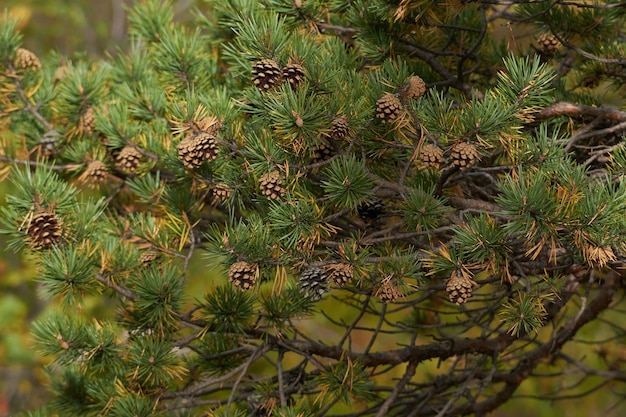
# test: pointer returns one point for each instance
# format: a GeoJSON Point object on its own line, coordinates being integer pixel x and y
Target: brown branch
{"type": "Point", "coordinates": [466, 203]}
{"type": "Point", "coordinates": [118, 288]}
{"type": "Point", "coordinates": [439, 350]}
{"type": "Point", "coordinates": [408, 374]}
{"type": "Point", "coordinates": [66, 167]}
{"type": "Point", "coordinates": [563, 108]}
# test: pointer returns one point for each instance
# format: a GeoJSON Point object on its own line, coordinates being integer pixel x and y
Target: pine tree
{"type": "Point", "coordinates": [462, 224]}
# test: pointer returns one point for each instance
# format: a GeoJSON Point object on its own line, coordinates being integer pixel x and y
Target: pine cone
{"type": "Point", "coordinates": [372, 209]}
{"type": "Point", "coordinates": [271, 185]}
{"type": "Point", "coordinates": [388, 108]}
{"type": "Point", "coordinates": [25, 59]}
{"type": "Point", "coordinates": [128, 159]}
{"type": "Point", "coordinates": [96, 172]}
{"type": "Point", "coordinates": [548, 44]}
{"type": "Point", "coordinates": [389, 293]}
{"type": "Point", "coordinates": [415, 88]}
{"type": "Point", "coordinates": [463, 154]}
{"type": "Point", "coordinates": [44, 230]}
{"type": "Point", "coordinates": [322, 153]}
{"type": "Point", "coordinates": [340, 274]}
{"type": "Point", "coordinates": [47, 145]}
{"type": "Point", "coordinates": [149, 256]}
{"type": "Point", "coordinates": [459, 287]}
{"type": "Point", "coordinates": [87, 121]}
{"type": "Point", "coordinates": [431, 156]}
{"type": "Point", "coordinates": [314, 283]}
{"type": "Point", "coordinates": [221, 191]}
{"type": "Point", "coordinates": [339, 128]}
{"type": "Point", "coordinates": [266, 74]}
{"type": "Point", "coordinates": [61, 72]}
{"type": "Point", "coordinates": [243, 274]}
{"type": "Point", "coordinates": [195, 149]}
{"type": "Point", "coordinates": [294, 74]}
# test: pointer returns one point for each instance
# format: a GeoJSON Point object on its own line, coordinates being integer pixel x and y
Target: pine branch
{"type": "Point", "coordinates": [572, 109]}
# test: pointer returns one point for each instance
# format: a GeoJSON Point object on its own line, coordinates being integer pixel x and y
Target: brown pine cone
{"type": "Point", "coordinates": [96, 172]}
{"type": "Point", "coordinates": [371, 210]}
{"type": "Point", "coordinates": [221, 191]}
{"type": "Point", "coordinates": [128, 159]}
{"type": "Point", "coordinates": [388, 293]}
{"type": "Point", "coordinates": [548, 44]}
{"type": "Point", "coordinates": [340, 274]}
{"type": "Point", "coordinates": [322, 153]}
{"type": "Point", "coordinates": [415, 88]}
{"type": "Point", "coordinates": [195, 149]}
{"type": "Point", "coordinates": [25, 59]}
{"type": "Point", "coordinates": [44, 230]}
{"type": "Point", "coordinates": [464, 155]}
{"type": "Point", "coordinates": [266, 74]}
{"type": "Point", "coordinates": [388, 108]}
{"type": "Point", "coordinates": [294, 74]}
{"type": "Point", "coordinates": [243, 274]}
{"type": "Point", "coordinates": [431, 156]}
{"type": "Point", "coordinates": [87, 121]}
{"type": "Point", "coordinates": [271, 185]}
{"type": "Point", "coordinates": [459, 287]}
{"type": "Point", "coordinates": [61, 72]}
{"type": "Point", "coordinates": [147, 257]}
{"type": "Point", "coordinates": [339, 128]}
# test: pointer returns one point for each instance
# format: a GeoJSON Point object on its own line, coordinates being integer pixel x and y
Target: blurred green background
{"type": "Point", "coordinates": [95, 28]}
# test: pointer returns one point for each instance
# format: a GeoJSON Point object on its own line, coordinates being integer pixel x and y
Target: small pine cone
{"type": "Point", "coordinates": [415, 88]}
{"type": "Point", "coordinates": [339, 128]}
{"type": "Point", "coordinates": [47, 145]}
{"type": "Point", "coordinates": [266, 74]}
{"type": "Point", "coordinates": [322, 153]}
{"type": "Point", "coordinates": [128, 159]}
{"type": "Point", "coordinates": [87, 120]}
{"type": "Point", "coordinates": [388, 108]}
{"type": "Point", "coordinates": [243, 274]}
{"type": "Point", "coordinates": [44, 230]}
{"type": "Point", "coordinates": [459, 287]}
{"type": "Point", "coordinates": [389, 293]}
{"type": "Point", "coordinates": [294, 74]}
{"type": "Point", "coordinates": [149, 256]}
{"type": "Point", "coordinates": [314, 283]}
{"type": "Point", "coordinates": [463, 154]}
{"type": "Point", "coordinates": [372, 209]}
{"type": "Point", "coordinates": [340, 274]}
{"type": "Point", "coordinates": [431, 156]}
{"type": "Point", "coordinates": [61, 72]}
{"type": "Point", "coordinates": [548, 44]}
{"type": "Point", "coordinates": [25, 59]}
{"type": "Point", "coordinates": [271, 185]}
{"type": "Point", "coordinates": [221, 191]}
{"type": "Point", "coordinates": [95, 172]}
{"type": "Point", "coordinates": [194, 150]}
{"type": "Point", "coordinates": [591, 81]}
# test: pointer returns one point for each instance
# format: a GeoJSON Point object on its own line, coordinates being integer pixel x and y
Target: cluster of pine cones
{"type": "Point", "coordinates": [462, 154]}
{"type": "Point", "coordinates": [267, 74]}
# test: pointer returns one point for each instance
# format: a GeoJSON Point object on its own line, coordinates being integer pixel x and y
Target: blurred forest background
{"type": "Point", "coordinates": [51, 28]}
{"type": "Point", "coordinates": [94, 29]}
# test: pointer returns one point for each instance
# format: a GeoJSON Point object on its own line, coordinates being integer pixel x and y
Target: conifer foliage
{"type": "Point", "coordinates": [398, 209]}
